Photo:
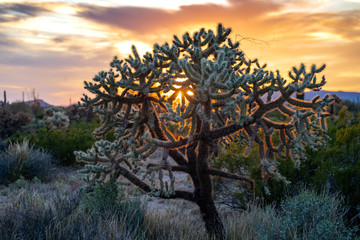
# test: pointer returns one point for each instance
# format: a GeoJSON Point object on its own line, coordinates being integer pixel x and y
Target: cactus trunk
{"type": "Point", "coordinates": [213, 224]}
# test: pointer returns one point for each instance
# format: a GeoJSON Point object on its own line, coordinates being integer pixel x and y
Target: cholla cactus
{"type": "Point", "coordinates": [55, 118]}
{"type": "Point", "coordinates": [205, 84]}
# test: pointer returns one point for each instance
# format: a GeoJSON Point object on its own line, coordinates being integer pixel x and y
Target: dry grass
{"type": "Point", "coordinates": [164, 219]}
{"type": "Point", "coordinates": [20, 152]}
{"type": "Point", "coordinates": [174, 219]}
{"type": "Point", "coordinates": [55, 207]}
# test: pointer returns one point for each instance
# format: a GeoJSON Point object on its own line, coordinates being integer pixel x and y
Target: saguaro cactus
{"type": "Point", "coordinates": [205, 84]}
{"type": "Point", "coordinates": [4, 103]}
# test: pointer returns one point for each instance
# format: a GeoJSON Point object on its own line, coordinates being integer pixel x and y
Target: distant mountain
{"type": "Point", "coordinates": [351, 96]}
{"type": "Point", "coordinates": [42, 103]}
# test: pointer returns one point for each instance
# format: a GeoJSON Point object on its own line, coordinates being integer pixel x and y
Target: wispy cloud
{"type": "Point", "coordinates": [142, 20]}
{"type": "Point", "coordinates": [10, 12]}
{"type": "Point", "coordinates": [10, 86]}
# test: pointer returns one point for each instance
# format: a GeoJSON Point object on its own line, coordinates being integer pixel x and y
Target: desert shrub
{"type": "Point", "coordinates": [305, 216]}
{"type": "Point", "coordinates": [107, 199]}
{"type": "Point", "coordinates": [62, 143]}
{"type": "Point", "coordinates": [230, 193]}
{"type": "Point", "coordinates": [77, 113]}
{"type": "Point", "coordinates": [336, 166]}
{"type": "Point", "coordinates": [238, 195]}
{"type": "Point", "coordinates": [103, 198]}
{"type": "Point", "coordinates": [10, 123]}
{"type": "Point", "coordinates": [38, 164]}
{"type": "Point", "coordinates": [55, 118]}
{"type": "Point", "coordinates": [22, 159]}
{"type": "Point", "coordinates": [31, 216]}
{"type": "Point", "coordinates": [19, 107]}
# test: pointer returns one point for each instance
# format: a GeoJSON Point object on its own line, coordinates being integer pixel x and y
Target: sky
{"type": "Point", "coordinates": [49, 48]}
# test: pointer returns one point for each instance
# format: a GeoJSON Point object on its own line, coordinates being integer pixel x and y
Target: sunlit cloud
{"type": "Point", "coordinates": [125, 47]}
{"type": "Point", "coordinates": [10, 86]}
{"type": "Point", "coordinates": [325, 36]}
{"type": "Point", "coordinates": [65, 10]}
{"type": "Point", "coordinates": [11, 12]}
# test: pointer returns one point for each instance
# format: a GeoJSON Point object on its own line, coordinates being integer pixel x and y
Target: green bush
{"type": "Point", "coordinates": [107, 199]}
{"type": "Point", "coordinates": [230, 193]}
{"type": "Point", "coordinates": [21, 159]}
{"type": "Point", "coordinates": [336, 166]}
{"type": "Point", "coordinates": [17, 107]}
{"type": "Point", "coordinates": [63, 142]}
{"type": "Point", "coordinates": [238, 195]}
{"type": "Point", "coordinates": [103, 198]}
{"type": "Point", "coordinates": [308, 216]}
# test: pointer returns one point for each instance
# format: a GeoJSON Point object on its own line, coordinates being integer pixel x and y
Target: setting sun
{"type": "Point", "coordinates": [125, 47]}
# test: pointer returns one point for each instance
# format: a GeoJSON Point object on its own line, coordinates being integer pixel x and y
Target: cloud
{"type": "Point", "coordinates": [12, 12]}
{"type": "Point", "coordinates": [6, 41]}
{"type": "Point", "coordinates": [54, 59]}
{"type": "Point", "coordinates": [59, 39]}
{"type": "Point", "coordinates": [344, 23]}
{"type": "Point", "coordinates": [257, 18]}
{"type": "Point", "coordinates": [10, 86]}
{"type": "Point", "coordinates": [151, 20]}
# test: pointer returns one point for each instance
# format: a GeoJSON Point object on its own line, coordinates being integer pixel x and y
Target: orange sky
{"type": "Point", "coordinates": [53, 46]}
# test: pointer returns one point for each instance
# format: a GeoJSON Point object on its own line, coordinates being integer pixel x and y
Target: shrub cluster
{"type": "Point", "coordinates": [33, 217]}
{"type": "Point", "coordinates": [55, 118]}
{"type": "Point", "coordinates": [77, 113]}
{"type": "Point", "coordinates": [306, 216]}
{"type": "Point", "coordinates": [108, 214]}
{"type": "Point", "coordinates": [51, 129]}
{"type": "Point", "coordinates": [62, 143]}
{"type": "Point", "coordinates": [21, 159]}
{"type": "Point", "coordinates": [107, 199]}
{"type": "Point", "coordinates": [10, 123]}
{"type": "Point", "coordinates": [337, 166]}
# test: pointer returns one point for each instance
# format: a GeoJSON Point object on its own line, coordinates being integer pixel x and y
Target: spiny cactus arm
{"type": "Point", "coordinates": [146, 188]}
{"type": "Point", "coordinates": [170, 144]}
{"type": "Point", "coordinates": [249, 131]}
{"type": "Point", "coordinates": [175, 168]}
{"type": "Point", "coordinates": [286, 110]}
{"type": "Point", "coordinates": [314, 104]}
{"type": "Point", "coordinates": [268, 164]}
{"type": "Point", "coordinates": [267, 107]}
{"type": "Point", "coordinates": [219, 173]}
{"type": "Point", "coordinates": [215, 134]}
{"type": "Point", "coordinates": [131, 100]}
{"type": "Point", "coordinates": [223, 95]}
{"type": "Point", "coordinates": [174, 153]}
{"type": "Point", "coordinates": [276, 125]}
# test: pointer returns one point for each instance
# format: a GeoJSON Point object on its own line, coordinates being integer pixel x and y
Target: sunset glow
{"type": "Point", "coordinates": [124, 48]}
{"type": "Point", "coordinates": [54, 45]}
